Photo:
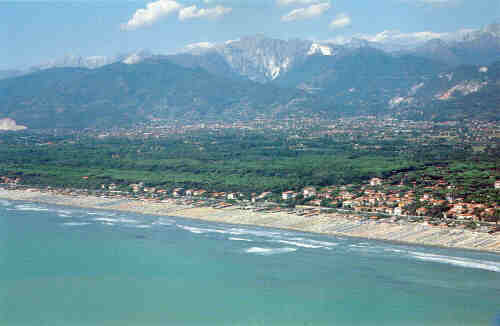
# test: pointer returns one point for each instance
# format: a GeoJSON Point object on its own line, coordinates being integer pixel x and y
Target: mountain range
{"type": "Point", "coordinates": [256, 75]}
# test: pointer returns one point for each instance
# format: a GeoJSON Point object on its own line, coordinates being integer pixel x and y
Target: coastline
{"type": "Point", "coordinates": [327, 224]}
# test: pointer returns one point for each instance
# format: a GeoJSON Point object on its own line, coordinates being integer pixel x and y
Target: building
{"type": "Point", "coordinates": [309, 192]}
{"type": "Point", "coordinates": [288, 195]}
{"type": "Point", "coordinates": [177, 192]}
{"type": "Point", "coordinates": [375, 182]}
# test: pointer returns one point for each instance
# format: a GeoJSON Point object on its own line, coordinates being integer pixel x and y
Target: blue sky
{"type": "Point", "coordinates": [34, 32]}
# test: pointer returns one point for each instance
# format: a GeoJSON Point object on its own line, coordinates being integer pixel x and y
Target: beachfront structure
{"type": "Point", "coordinates": [288, 195]}
{"type": "Point", "coordinates": [262, 196]}
{"type": "Point", "coordinates": [199, 192]}
{"type": "Point", "coordinates": [177, 192]}
{"type": "Point", "coordinates": [309, 192]}
{"type": "Point", "coordinates": [233, 195]}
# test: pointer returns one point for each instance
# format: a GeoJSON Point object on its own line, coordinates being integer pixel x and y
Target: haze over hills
{"type": "Point", "coordinates": [263, 59]}
{"type": "Point", "coordinates": [124, 94]}
{"type": "Point", "coordinates": [243, 78]}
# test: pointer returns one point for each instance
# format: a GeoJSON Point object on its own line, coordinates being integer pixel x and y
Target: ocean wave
{"type": "Point", "coordinates": [457, 261]}
{"type": "Point", "coordinates": [233, 231]}
{"type": "Point", "coordinates": [198, 230]}
{"type": "Point", "coordinates": [193, 229]}
{"type": "Point", "coordinates": [31, 208]}
{"type": "Point", "coordinates": [5, 203]}
{"type": "Point", "coordinates": [269, 251]}
{"type": "Point", "coordinates": [358, 246]}
{"type": "Point", "coordinates": [163, 221]}
{"type": "Point", "coordinates": [240, 239]}
{"type": "Point", "coordinates": [316, 242]}
{"type": "Point", "coordinates": [75, 223]}
{"type": "Point", "coordinates": [115, 220]}
{"type": "Point", "coordinates": [141, 226]}
{"type": "Point", "coordinates": [257, 233]}
{"type": "Point", "coordinates": [398, 251]}
{"type": "Point", "coordinates": [299, 244]}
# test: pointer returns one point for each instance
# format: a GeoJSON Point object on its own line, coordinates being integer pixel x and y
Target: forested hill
{"type": "Point", "coordinates": [359, 82]}
{"type": "Point", "coordinates": [120, 94]}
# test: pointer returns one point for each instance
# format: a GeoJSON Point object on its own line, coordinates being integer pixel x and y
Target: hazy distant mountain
{"type": "Point", "coordinates": [476, 47]}
{"type": "Point", "coordinates": [9, 73]}
{"type": "Point", "coordinates": [123, 94]}
{"type": "Point", "coordinates": [72, 61]}
{"type": "Point", "coordinates": [262, 59]}
{"type": "Point", "coordinates": [211, 61]}
{"type": "Point", "coordinates": [216, 81]}
{"type": "Point", "coordinates": [363, 77]}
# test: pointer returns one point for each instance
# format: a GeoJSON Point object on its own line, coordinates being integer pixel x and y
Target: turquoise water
{"type": "Point", "coordinates": [67, 266]}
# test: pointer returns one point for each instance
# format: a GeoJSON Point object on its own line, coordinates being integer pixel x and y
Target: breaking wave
{"type": "Point", "coordinates": [457, 261]}
{"type": "Point", "coordinates": [76, 223]}
{"type": "Point", "coordinates": [240, 239]}
{"type": "Point", "coordinates": [31, 208]}
{"type": "Point", "coordinates": [269, 251]}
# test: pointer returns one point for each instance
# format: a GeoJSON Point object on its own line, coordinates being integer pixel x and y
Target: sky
{"type": "Point", "coordinates": [37, 31]}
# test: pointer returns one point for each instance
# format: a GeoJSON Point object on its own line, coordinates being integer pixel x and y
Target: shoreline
{"type": "Point", "coordinates": [326, 224]}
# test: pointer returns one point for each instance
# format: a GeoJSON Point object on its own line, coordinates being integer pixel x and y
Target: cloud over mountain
{"type": "Point", "coordinates": [340, 21]}
{"type": "Point", "coordinates": [152, 13]}
{"type": "Point", "coordinates": [159, 9]}
{"type": "Point", "coordinates": [307, 12]}
{"type": "Point", "coordinates": [195, 12]}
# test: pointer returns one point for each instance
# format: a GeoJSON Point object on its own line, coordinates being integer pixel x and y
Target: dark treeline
{"type": "Point", "coordinates": [223, 161]}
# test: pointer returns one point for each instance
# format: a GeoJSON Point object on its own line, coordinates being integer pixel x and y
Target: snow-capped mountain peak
{"type": "Point", "coordinates": [317, 48]}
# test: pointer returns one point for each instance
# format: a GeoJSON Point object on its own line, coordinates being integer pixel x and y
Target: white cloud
{"type": "Point", "coordinates": [340, 21]}
{"type": "Point", "coordinates": [306, 13]}
{"type": "Point", "coordinates": [193, 12]}
{"type": "Point", "coordinates": [153, 12]}
{"type": "Point", "coordinates": [395, 35]}
{"type": "Point", "coordinates": [296, 2]}
{"type": "Point", "coordinates": [162, 8]}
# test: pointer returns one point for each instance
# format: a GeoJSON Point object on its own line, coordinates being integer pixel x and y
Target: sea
{"type": "Point", "coordinates": [72, 266]}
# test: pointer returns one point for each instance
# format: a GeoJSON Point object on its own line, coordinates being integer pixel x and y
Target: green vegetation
{"type": "Point", "coordinates": [238, 161]}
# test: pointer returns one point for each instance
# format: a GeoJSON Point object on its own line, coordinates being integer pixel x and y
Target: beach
{"type": "Point", "coordinates": [329, 224]}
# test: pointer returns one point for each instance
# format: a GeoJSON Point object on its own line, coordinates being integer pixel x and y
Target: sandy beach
{"type": "Point", "coordinates": [333, 224]}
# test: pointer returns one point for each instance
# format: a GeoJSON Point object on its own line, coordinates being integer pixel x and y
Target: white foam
{"type": "Point", "coordinates": [240, 239]}
{"type": "Point", "coordinates": [196, 230]}
{"type": "Point", "coordinates": [31, 208]}
{"type": "Point", "coordinates": [105, 219]}
{"type": "Point", "coordinates": [163, 221]}
{"type": "Point", "coordinates": [192, 229]}
{"type": "Point", "coordinates": [299, 244]}
{"type": "Point", "coordinates": [75, 223]}
{"type": "Point", "coordinates": [142, 226]}
{"type": "Point", "coordinates": [269, 251]}
{"type": "Point", "coordinates": [258, 233]}
{"type": "Point", "coordinates": [232, 231]}
{"type": "Point", "coordinates": [357, 246]}
{"type": "Point", "coordinates": [115, 220]}
{"type": "Point", "coordinates": [316, 242]}
{"type": "Point", "coordinates": [457, 261]}
{"type": "Point", "coordinates": [395, 250]}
